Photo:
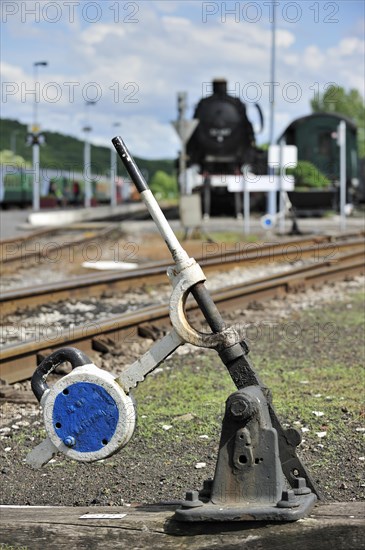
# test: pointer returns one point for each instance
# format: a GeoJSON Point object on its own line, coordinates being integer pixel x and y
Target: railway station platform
{"type": "Point", "coordinates": [15, 223]}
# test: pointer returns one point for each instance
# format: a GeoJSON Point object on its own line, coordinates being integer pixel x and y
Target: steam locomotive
{"type": "Point", "coordinates": [221, 144]}
{"type": "Point", "coordinates": [224, 141]}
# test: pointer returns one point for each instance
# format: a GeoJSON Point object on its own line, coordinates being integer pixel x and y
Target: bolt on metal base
{"type": "Point", "coordinates": [249, 483]}
{"type": "Point", "coordinates": [211, 512]}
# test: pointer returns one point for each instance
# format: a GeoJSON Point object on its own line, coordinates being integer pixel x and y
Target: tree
{"type": "Point", "coordinates": [66, 152]}
{"type": "Point", "coordinates": [307, 175]}
{"type": "Point", "coordinates": [163, 185]}
{"type": "Point", "coordinates": [351, 104]}
{"type": "Point", "coordinates": [8, 157]}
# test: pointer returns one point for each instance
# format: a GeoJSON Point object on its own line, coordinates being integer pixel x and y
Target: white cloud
{"type": "Point", "coordinates": [145, 135]}
{"type": "Point", "coordinates": [313, 58]}
{"type": "Point", "coordinates": [100, 32]}
{"type": "Point", "coordinates": [175, 22]}
{"type": "Point", "coordinates": [347, 47]}
{"type": "Point", "coordinates": [167, 6]}
{"type": "Point", "coordinates": [290, 59]}
{"type": "Point", "coordinates": [164, 53]}
{"type": "Point", "coordinates": [11, 72]}
{"type": "Point", "coordinates": [284, 38]}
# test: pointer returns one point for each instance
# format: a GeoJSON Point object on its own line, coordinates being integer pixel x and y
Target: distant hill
{"type": "Point", "coordinates": [63, 150]}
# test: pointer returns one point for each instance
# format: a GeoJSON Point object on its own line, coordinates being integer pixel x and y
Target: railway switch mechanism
{"type": "Point", "coordinates": [89, 414]}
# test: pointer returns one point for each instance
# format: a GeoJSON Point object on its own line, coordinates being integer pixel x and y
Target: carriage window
{"type": "Point", "coordinates": [324, 143]}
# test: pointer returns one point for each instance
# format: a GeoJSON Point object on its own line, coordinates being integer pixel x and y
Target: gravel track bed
{"type": "Point", "coordinates": [138, 247]}
{"type": "Point", "coordinates": [53, 318]}
{"type": "Point", "coordinates": [60, 263]}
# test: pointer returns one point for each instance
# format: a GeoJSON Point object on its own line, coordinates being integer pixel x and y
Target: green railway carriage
{"type": "Point", "coordinates": [315, 137]}
{"type": "Point", "coordinates": [16, 187]}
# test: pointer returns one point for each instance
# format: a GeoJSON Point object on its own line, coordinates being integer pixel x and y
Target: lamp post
{"type": "Point", "coordinates": [13, 135]}
{"type": "Point", "coordinates": [87, 159]}
{"type": "Point", "coordinates": [113, 171]}
{"type": "Point", "coordinates": [272, 75]}
{"type": "Point", "coordinates": [341, 140]}
{"type": "Point", "coordinates": [36, 64]}
{"type": "Point", "coordinates": [35, 132]}
{"type": "Point", "coordinates": [271, 196]}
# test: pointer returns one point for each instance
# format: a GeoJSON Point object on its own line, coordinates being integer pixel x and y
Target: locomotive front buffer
{"type": "Point", "coordinates": [89, 414]}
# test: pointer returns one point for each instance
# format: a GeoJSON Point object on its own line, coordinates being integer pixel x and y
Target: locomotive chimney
{"type": "Point", "coordinates": [220, 86]}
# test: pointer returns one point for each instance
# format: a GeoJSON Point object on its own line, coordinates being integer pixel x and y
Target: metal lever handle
{"type": "Point", "coordinates": [72, 355]}
{"type": "Point", "coordinates": [179, 255]}
{"type": "Point", "coordinates": [130, 165]}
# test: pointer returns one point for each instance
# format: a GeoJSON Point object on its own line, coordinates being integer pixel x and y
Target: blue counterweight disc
{"type": "Point", "coordinates": [85, 417]}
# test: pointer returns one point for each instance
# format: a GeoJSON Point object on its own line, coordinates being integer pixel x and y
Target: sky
{"type": "Point", "coordinates": [131, 58]}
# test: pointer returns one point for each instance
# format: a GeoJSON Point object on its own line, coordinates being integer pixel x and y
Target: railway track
{"type": "Point", "coordinates": [319, 250]}
{"type": "Point", "coordinates": [36, 247]}
{"type": "Point", "coordinates": [18, 250]}
{"type": "Point", "coordinates": [19, 361]}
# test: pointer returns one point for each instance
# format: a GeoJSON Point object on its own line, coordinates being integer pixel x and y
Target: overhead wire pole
{"type": "Point", "coordinates": [342, 144]}
{"type": "Point", "coordinates": [87, 159]}
{"type": "Point", "coordinates": [13, 135]}
{"type": "Point", "coordinates": [271, 198]}
{"type": "Point", "coordinates": [35, 139]}
{"type": "Point", "coordinates": [181, 105]}
{"type": "Point", "coordinates": [36, 64]}
{"type": "Point", "coordinates": [272, 71]}
{"type": "Point", "coordinates": [281, 196]}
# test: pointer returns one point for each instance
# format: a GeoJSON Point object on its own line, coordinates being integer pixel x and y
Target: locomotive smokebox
{"type": "Point", "coordinates": [219, 86]}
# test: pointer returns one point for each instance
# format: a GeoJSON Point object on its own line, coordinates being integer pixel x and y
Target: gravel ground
{"type": "Point", "coordinates": [160, 463]}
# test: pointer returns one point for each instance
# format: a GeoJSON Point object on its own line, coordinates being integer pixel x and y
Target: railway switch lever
{"type": "Point", "coordinates": [89, 414]}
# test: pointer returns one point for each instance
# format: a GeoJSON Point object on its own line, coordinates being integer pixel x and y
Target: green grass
{"type": "Point", "coordinates": [228, 237]}
{"type": "Point", "coordinates": [183, 389]}
{"type": "Point", "coordinates": [328, 387]}
{"type": "Point", "coordinates": [321, 371]}
{"type": "Point", "coordinates": [232, 237]}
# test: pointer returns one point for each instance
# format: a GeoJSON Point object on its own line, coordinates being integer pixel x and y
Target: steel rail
{"type": "Point", "coordinates": [74, 226]}
{"type": "Point", "coordinates": [19, 361]}
{"type": "Point", "coordinates": [42, 253]}
{"type": "Point", "coordinates": [29, 236]}
{"type": "Point", "coordinates": [95, 285]}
